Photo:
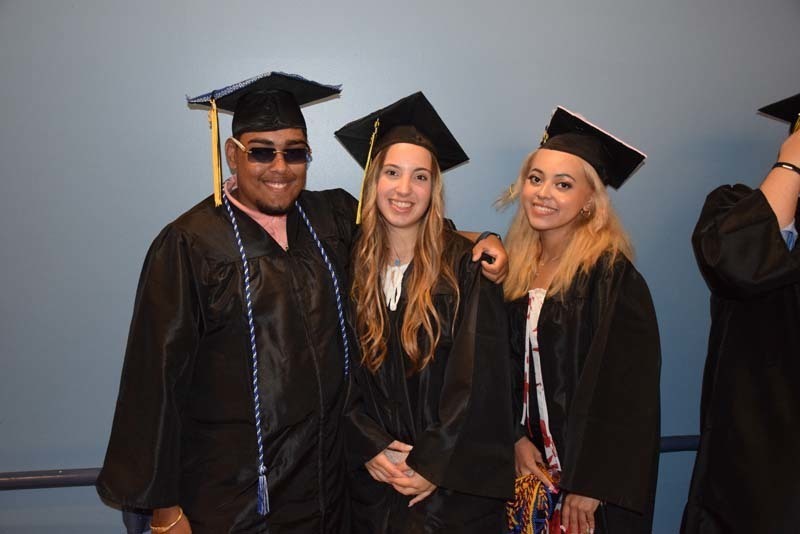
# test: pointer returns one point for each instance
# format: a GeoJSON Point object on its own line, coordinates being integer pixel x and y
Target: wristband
{"type": "Point", "coordinates": [486, 234]}
{"type": "Point", "coordinates": [156, 529]}
{"type": "Point", "coordinates": [779, 165]}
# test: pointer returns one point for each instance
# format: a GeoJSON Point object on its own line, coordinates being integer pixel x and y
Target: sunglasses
{"type": "Point", "coordinates": [266, 154]}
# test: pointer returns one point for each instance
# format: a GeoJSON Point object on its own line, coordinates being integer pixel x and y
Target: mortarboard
{"type": "Point", "coordinates": [614, 160]}
{"type": "Point", "coordinates": [264, 103]}
{"type": "Point", "coordinates": [787, 110]}
{"type": "Point", "coordinates": [409, 120]}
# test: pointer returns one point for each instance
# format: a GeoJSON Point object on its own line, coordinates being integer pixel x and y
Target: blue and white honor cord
{"type": "Point", "coordinates": [336, 290]}
{"type": "Point", "coordinates": [263, 492]}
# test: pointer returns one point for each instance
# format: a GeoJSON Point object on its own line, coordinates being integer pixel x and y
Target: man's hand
{"type": "Point", "coordinates": [496, 271]}
{"type": "Point", "coordinates": [577, 514]}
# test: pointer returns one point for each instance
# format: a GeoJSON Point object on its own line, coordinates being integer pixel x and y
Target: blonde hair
{"type": "Point", "coordinates": [370, 257]}
{"type": "Point", "coordinates": [596, 233]}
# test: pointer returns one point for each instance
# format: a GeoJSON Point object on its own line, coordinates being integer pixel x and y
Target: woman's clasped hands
{"type": "Point", "coordinates": [389, 466]}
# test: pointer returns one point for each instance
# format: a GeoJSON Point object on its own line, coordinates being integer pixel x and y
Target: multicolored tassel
{"type": "Point", "coordinates": [532, 507]}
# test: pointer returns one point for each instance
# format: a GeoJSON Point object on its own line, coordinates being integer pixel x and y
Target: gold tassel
{"type": "Point", "coordinates": [216, 159]}
{"type": "Point", "coordinates": [366, 169]}
{"type": "Point", "coordinates": [796, 126]}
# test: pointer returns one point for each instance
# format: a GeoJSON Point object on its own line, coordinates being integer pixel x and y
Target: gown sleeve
{"type": "Point", "coordinates": [344, 208]}
{"type": "Point", "coordinates": [739, 247]}
{"type": "Point", "coordinates": [143, 459]}
{"type": "Point", "coordinates": [614, 422]}
{"type": "Point", "coordinates": [364, 435]}
{"type": "Point", "coordinates": [470, 448]}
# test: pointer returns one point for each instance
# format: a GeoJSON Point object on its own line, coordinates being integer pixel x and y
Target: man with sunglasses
{"type": "Point", "coordinates": [237, 364]}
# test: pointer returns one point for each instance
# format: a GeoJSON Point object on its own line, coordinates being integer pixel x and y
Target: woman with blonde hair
{"type": "Point", "coordinates": [584, 334]}
{"type": "Point", "coordinates": [429, 428]}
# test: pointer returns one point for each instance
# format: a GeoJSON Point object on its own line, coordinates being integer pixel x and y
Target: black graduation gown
{"type": "Point", "coordinates": [184, 428]}
{"type": "Point", "coordinates": [456, 413]}
{"type": "Point", "coordinates": [601, 362]}
{"type": "Point", "coordinates": [747, 472]}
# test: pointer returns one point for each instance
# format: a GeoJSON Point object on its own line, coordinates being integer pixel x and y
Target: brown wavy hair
{"type": "Point", "coordinates": [597, 233]}
{"type": "Point", "coordinates": [370, 258]}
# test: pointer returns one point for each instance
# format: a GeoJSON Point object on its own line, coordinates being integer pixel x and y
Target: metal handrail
{"type": "Point", "coordinates": [57, 478]}
{"type": "Point", "coordinates": [65, 478]}
{"type": "Point", "coordinates": [679, 443]}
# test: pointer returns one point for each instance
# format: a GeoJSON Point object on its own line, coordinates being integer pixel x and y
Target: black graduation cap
{"type": "Point", "coordinates": [787, 110]}
{"type": "Point", "coordinates": [409, 120]}
{"type": "Point", "coordinates": [270, 101]}
{"type": "Point", "coordinates": [614, 160]}
{"type": "Point", "coordinates": [264, 103]}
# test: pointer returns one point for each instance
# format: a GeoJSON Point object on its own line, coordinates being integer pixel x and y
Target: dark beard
{"type": "Point", "coordinates": [274, 210]}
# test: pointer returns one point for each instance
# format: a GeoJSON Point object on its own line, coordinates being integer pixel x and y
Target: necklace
{"type": "Point", "coordinates": [396, 261]}
{"type": "Point", "coordinates": [541, 263]}
{"type": "Point", "coordinates": [545, 262]}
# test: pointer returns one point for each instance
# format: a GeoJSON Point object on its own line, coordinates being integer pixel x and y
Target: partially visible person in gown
{"type": "Point", "coordinates": [747, 472]}
{"type": "Point", "coordinates": [584, 334]}
{"type": "Point", "coordinates": [429, 430]}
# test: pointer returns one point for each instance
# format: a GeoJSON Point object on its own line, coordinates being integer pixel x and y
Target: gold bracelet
{"type": "Point", "coordinates": [154, 528]}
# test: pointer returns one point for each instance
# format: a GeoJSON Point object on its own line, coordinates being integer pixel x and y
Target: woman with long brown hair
{"type": "Point", "coordinates": [429, 427]}
{"type": "Point", "coordinates": [584, 334]}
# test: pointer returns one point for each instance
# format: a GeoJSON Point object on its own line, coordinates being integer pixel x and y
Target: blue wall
{"type": "Point", "coordinates": [98, 151]}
